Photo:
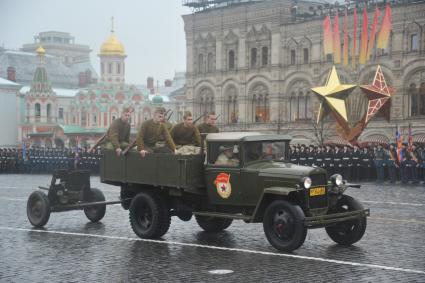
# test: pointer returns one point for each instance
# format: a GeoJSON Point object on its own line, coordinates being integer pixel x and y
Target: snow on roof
{"type": "Point", "coordinates": [62, 92]}
{"type": "Point", "coordinates": [7, 82]}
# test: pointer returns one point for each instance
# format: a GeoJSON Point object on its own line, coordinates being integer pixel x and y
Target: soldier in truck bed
{"type": "Point", "coordinates": [153, 136]}
{"type": "Point", "coordinates": [208, 126]}
{"type": "Point", "coordinates": [118, 134]}
{"type": "Point", "coordinates": [186, 136]}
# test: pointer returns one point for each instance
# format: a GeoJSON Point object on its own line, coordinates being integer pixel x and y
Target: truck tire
{"type": "Point", "coordinates": [149, 216]}
{"type": "Point", "coordinates": [348, 232]}
{"type": "Point", "coordinates": [283, 225]}
{"type": "Point", "coordinates": [96, 213]}
{"type": "Point", "coordinates": [213, 224]}
{"type": "Point", "coordinates": [38, 209]}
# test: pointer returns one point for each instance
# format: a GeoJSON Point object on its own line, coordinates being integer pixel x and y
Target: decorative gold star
{"type": "Point", "coordinates": [333, 96]}
{"type": "Point", "coordinates": [379, 95]}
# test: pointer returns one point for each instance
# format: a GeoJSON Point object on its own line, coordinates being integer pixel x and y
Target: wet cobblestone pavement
{"type": "Point", "coordinates": [72, 249]}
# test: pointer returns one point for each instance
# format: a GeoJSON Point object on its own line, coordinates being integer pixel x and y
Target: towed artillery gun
{"type": "Point", "coordinates": [259, 185]}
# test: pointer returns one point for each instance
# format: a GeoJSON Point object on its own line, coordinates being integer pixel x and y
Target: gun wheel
{"type": "Point", "coordinates": [38, 209]}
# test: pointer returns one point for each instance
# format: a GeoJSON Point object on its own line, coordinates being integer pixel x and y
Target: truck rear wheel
{"type": "Point", "coordinates": [38, 209]}
{"type": "Point", "coordinates": [213, 224]}
{"type": "Point", "coordinates": [95, 213]}
{"type": "Point", "coordinates": [283, 225]}
{"type": "Point", "coordinates": [149, 216]}
{"type": "Point", "coordinates": [348, 232]}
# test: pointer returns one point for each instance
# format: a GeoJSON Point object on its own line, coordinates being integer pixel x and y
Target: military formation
{"type": "Point", "coordinates": [369, 163]}
{"type": "Point", "coordinates": [40, 160]}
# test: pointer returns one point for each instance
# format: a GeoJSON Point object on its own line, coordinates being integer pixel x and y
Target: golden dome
{"type": "Point", "coordinates": [40, 50]}
{"type": "Point", "coordinates": [112, 46]}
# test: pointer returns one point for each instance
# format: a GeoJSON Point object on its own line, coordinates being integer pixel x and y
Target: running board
{"type": "Point", "coordinates": [223, 215]}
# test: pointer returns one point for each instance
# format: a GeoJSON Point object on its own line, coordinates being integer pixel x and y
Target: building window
{"type": "Point", "coordinates": [94, 120]}
{"type": "Point", "coordinates": [102, 67]}
{"type": "Point", "coordinates": [110, 68]}
{"type": "Point", "coordinates": [253, 57]}
{"type": "Point", "coordinates": [329, 58]}
{"type": "Point", "coordinates": [260, 104]}
{"type": "Point", "coordinates": [293, 57]}
{"type": "Point", "coordinates": [118, 68]}
{"type": "Point", "coordinates": [417, 99]}
{"type": "Point", "coordinates": [201, 63]}
{"type": "Point", "coordinates": [210, 62]}
{"type": "Point", "coordinates": [264, 56]}
{"type": "Point", "coordinates": [232, 106]}
{"type": "Point", "coordinates": [83, 119]}
{"type": "Point", "coordinates": [414, 43]}
{"type": "Point", "coordinates": [49, 112]}
{"type": "Point", "coordinates": [231, 60]}
{"type": "Point", "coordinates": [37, 112]}
{"type": "Point", "coordinates": [60, 113]}
{"type": "Point", "coordinates": [305, 56]}
{"type": "Point", "coordinates": [206, 101]}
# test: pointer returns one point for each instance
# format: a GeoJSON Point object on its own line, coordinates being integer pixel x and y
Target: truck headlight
{"type": "Point", "coordinates": [306, 182]}
{"type": "Point", "coordinates": [336, 179]}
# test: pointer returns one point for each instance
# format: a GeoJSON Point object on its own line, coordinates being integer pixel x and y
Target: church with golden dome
{"type": "Point", "coordinates": [77, 118]}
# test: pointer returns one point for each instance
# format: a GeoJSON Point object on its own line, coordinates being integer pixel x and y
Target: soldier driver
{"type": "Point", "coordinates": [153, 136]}
{"type": "Point", "coordinates": [118, 134]}
{"type": "Point", "coordinates": [226, 157]}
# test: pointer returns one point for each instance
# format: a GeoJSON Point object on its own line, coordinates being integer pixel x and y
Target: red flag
{"type": "Point", "coordinates": [364, 35]}
{"type": "Point", "coordinates": [372, 33]}
{"type": "Point", "coordinates": [345, 50]}
{"type": "Point", "coordinates": [384, 33]}
{"type": "Point", "coordinates": [337, 41]}
{"type": "Point", "coordinates": [327, 36]}
{"type": "Point", "coordinates": [353, 52]}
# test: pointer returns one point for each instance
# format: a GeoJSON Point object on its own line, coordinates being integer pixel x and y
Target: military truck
{"type": "Point", "coordinates": [255, 183]}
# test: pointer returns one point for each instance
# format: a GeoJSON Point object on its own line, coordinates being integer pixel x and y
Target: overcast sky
{"type": "Point", "coordinates": [151, 31]}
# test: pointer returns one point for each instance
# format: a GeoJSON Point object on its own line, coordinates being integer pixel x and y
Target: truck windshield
{"type": "Point", "coordinates": [265, 150]}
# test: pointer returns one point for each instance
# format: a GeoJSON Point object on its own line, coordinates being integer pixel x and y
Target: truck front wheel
{"type": "Point", "coordinates": [348, 232]}
{"type": "Point", "coordinates": [283, 225]}
{"type": "Point", "coordinates": [149, 216]}
{"type": "Point", "coordinates": [213, 224]}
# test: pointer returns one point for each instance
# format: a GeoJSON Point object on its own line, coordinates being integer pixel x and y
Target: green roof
{"type": "Point", "coordinates": [75, 130]}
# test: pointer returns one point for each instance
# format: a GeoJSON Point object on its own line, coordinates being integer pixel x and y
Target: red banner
{"type": "Point", "coordinates": [337, 41]}
{"type": "Point", "coordinates": [353, 52]}
{"type": "Point", "coordinates": [372, 34]}
{"type": "Point", "coordinates": [345, 49]}
{"type": "Point", "coordinates": [327, 36]}
{"type": "Point", "coordinates": [384, 33]}
{"type": "Point", "coordinates": [364, 37]}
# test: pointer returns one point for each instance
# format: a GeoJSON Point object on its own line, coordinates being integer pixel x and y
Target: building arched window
{"type": "Point", "coordinates": [264, 56]}
{"type": "Point", "coordinates": [210, 62]}
{"type": "Point", "coordinates": [201, 63]}
{"type": "Point", "coordinates": [206, 101]}
{"type": "Point", "coordinates": [417, 99]}
{"type": "Point", "coordinates": [231, 60]}
{"type": "Point", "coordinates": [110, 68]}
{"type": "Point", "coordinates": [260, 104]}
{"type": "Point", "coordinates": [300, 102]}
{"type": "Point", "coordinates": [232, 108]}
{"type": "Point", "coordinates": [118, 68]}
{"type": "Point", "coordinates": [37, 112]}
{"type": "Point", "coordinates": [253, 57]}
{"type": "Point", "coordinates": [102, 68]}
{"type": "Point", "coordinates": [49, 112]}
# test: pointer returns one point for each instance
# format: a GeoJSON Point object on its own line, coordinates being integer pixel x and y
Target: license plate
{"type": "Point", "coordinates": [317, 191]}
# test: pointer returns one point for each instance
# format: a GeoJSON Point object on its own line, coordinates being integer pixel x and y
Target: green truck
{"type": "Point", "coordinates": [241, 176]}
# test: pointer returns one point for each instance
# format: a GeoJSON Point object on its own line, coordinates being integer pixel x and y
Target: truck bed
{"type": "Point", "coordinates": [159, 169]}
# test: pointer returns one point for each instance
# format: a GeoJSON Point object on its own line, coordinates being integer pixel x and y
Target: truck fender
{"type": "Point", "coordinates": [268, 195]}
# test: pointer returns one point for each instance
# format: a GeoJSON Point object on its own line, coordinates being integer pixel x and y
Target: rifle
{"type": "Point", "coordinates": [98, 142]}
{"type": "Point", "coordinates": [168, 119]}
{"type": "Point", "coordinates": [197, 119]}
{"type": "Point", "coordinates": [130, 146]}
